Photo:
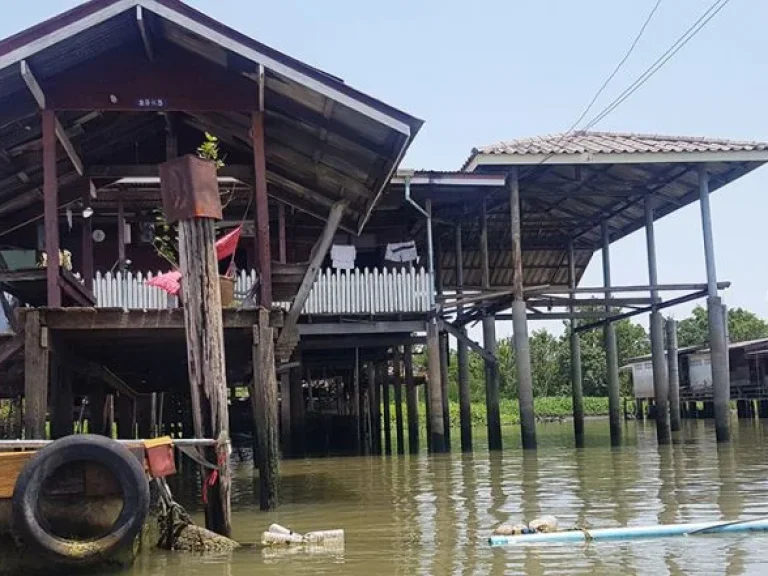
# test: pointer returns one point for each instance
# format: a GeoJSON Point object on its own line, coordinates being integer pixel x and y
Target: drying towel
{"type": "Point", "coordinates": [402, 252]}
{"type": "Point", "coordinates": [169, 282]}
{"type": "Point", "coordinates": [227, 244]}
{"type": "Point", "coordinates": [343, 256]}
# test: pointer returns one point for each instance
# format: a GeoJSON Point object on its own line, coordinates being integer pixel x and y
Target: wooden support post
{"type": "Point", "coordinates": [121, 259]}
{"type": "Point", "coordinates": [62, 399]}
{"type": "Point", "coordinates": [387, 419]}
{"type": "Point", "coordinates": [444, 389]}
{"type": "Point", "coordinates": [492, 399]}
{"type": "Point", "coordinates": [520, 321]}
{"type": "Point", "coordinates": [611, 349]}
{"type": "Point", "coordinates": [356, 395]}
{"type": "Point", "coordinates": [411, 401]}
{"type": "Point", "coordinates": [436, 430]}
{"type": "Point", "coordinates": [577, 392]}
{"type": "Point", "coordinates": [36, 361]}
{"type": "Point", "coordinates": [282, 253]}
{"type": "Point", "coordinates": [51, 208]}
{"type": "Point", "coordinates": [154, 423]}
{"type": "Point", "coordinates": [264, 403]}
{"type": "Point", "coordinates": [298, 433]}
{"type": "Point", "coordinates": [285, 412]}
{"type": "Point", "coordinates": [87, 267]}
{"type": "Point", "coordinates": [110, 426]}
{"type": "Point", "coordinates": [370, 396]}
{"type": "Point", "coordinates": [377, 409]}
{"type": "Point", "coordinates": [193, 180]}
{"type": "Point", "coordinates": [462, 356]}
{"type": "Point", "coordinates": [261, 209]}
{"type": "Point", "coordinates": [397, 366]}
{"type": "Point", "coordinates": [673, 373]}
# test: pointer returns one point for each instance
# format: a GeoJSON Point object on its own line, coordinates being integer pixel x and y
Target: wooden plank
{"type": "Point", "coordinates": [261, 211]}
{"type": "Point", "coordinates": [346, 328]}
{"type": "Point", "coordinates": [50, 209]}
{"type": "Point", "coordinates": [119, 319]}
{"type": "Point", "coordinates": [319, 251]}
{"type": "Point", "coordinates": [35, 376]}
{"type": "Point", "coordinates": [11, 464]}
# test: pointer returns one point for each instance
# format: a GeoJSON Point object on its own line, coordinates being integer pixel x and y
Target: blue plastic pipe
{"type": "Point", "coordinates": [631, 533]}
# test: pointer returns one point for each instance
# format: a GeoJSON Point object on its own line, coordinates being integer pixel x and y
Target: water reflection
{"type": "Point", "coordinates": [432, 514]}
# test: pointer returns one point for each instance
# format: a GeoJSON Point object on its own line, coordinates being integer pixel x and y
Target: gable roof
{"type": "Point", "coordinates": [365, 138]}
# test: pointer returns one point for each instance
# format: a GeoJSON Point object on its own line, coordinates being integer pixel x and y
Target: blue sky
{"type": "Point", "coordinates": [506, 69]}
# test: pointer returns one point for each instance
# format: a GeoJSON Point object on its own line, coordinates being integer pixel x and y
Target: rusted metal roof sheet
{"type": "Point", "coordinates": [615, 142]}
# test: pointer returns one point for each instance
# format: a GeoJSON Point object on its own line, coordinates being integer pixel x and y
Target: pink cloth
{"type": "Point", "coordinates": [170, 282]}
{"type": "Point", "coordinates": [227, 244]}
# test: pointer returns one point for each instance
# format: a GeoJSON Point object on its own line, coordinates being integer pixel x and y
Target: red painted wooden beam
{"type": "Point", "coordinates": [261, 219]}
{"type": "Point", "coordinates": [50, 207]}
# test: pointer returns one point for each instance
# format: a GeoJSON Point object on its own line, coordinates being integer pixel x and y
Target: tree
{"type": "Point", "coordinates": [743, 325]}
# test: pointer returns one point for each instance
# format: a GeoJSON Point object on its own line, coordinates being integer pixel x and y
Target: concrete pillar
{"type": "Point", "coordinates": [660, 388]}
{"type": "Point", "coordinates": [718, 349]}
{"type": "Point", "coordinates": [673, 375]}
{"type": "Point", "coordinates": [444, 389]}
{"type": "Point", "coordinates": [462, 357]}
{"type": "Point", "coordinates": [577, 393]}
{"type": "Point", "coordinates": [436, 430]}
{"type": "Point", "coordinates": [520, 320]}
{"type": "Point", "coordinates": [493, 415]}
{"type": "Point", "coordinates": [611, 349]}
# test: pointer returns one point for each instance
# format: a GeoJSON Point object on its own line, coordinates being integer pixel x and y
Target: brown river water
{"type": "Point", "coordinates": [433, 515]}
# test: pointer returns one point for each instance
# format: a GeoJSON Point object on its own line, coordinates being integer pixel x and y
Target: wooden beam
{"type": "Point", "coordinates": [464, 339]}
{"type": "Point", "coordinates": [37, 93]}
{"type": "Point", "coordinates": [242, 172]}
{"type": "Point", "coordinates": [35, 376]}
{"type": "Point", "coordinates": [50, 209]}
{"type": "Point", "coordinates": [146, 39]}
{"type": "Point", "coordinates": [261, 210]}
{"type": "Point", "coordinates": [319, 251]}
{"type": "Point", "coordinates": [282, 256]}
{"type": "Point", "coordinates": [341, 328]}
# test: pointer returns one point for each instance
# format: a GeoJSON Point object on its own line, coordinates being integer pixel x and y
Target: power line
{"type": "Point", "coordinates": [686, 37]}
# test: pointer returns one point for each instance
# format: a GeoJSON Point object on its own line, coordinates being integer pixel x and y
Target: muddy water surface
{"type": "Point", "coordinates": [432, 515]}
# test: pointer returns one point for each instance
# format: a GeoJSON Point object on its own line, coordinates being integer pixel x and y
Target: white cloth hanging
{"type": "Point", "coordinates": [402, 252]}
{"type": "Point", "coordinates": [343, 257]}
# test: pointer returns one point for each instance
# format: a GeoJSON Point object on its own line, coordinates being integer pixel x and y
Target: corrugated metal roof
{"type": "Point", "coordinates": [614, 143]}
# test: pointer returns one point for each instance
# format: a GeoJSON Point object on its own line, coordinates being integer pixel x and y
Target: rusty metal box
{"type": "Point", "coordinates": [189, 189]}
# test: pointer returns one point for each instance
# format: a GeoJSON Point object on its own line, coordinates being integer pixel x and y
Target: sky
{"type": "Point", "coordinates": [506, 69]}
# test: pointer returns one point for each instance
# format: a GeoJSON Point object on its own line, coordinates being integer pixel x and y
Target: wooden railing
{"type": "Point", "coordinates": [351, 292]}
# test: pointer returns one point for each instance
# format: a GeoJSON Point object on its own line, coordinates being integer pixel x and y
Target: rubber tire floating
{"type": "Point", "coordinates": [123, 465]}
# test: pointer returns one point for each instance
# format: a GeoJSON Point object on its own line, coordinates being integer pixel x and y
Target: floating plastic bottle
{"type": "Point", "coordinates": [325, 537]}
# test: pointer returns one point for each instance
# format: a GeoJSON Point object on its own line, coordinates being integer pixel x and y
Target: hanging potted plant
{"type": "Point", "coordinates": [167, 245]}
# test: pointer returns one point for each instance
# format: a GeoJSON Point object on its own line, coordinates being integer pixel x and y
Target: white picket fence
{"type": "Point", "coordinates": [335, 291]}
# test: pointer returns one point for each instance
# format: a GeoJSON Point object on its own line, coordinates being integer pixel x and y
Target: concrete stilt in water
{"type": "Point", "coordinates": [444, 389]}
{"type": "Point", "coordinates": [437, 433]}
{"type": "Point", "coordinates": [397, 379]}
{"type": "Point", "coordinates": [385, 401]}
{"type": "Point", "coordinates": [718, 350]}
{"type": "Point", "coordinates": [411, 401]}
{"type": "Point", "coordinates": [660, 387]}
{"type": "Point", "coordinates": [577, 393]}
{"type": "Point", "coordinates": [520, 321]}
{"type": "Point", "coordinates": [493, 415]}
{"type": "Point", "coordinates": [611, 349]}
{"type": "Point", "coordinates": [673, 374]}
{"type": "Point", "coordinates": [462, 357]}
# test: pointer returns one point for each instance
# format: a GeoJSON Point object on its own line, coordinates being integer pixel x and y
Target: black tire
{"type": "Point", "coordinates": [116, 458]}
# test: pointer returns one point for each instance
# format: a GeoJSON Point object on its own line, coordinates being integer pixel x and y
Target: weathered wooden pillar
{"type": "Point", "coordinates": [462, 355]}
{"type": "Point", "coordinates": [264, 403]}
{"type": "Point", "coordinates": [190, 196]}
{"type": "Point", "coordinates": [444, 389]}
{"type": "Point", "coordinates": [411, 401]}
{"type": "Point", "coordinates": [492, 399]}
{"type": "Point", "coordinates": [660, 387]}
{"type": "Point", "coordinates": [87, 267]}
{"type": "Point", "coordinates": [370, 407]}
{"type": "Point", "coordinates": [376, 416]}
{"type": "Point", "coordinates": [36, 373]}
{"type": "Point", "coordinates": [577, 392]}
{"type": "Point", "coordinates": [385, 401]}
{"type": "Point", "coordinates": [520, 320]}
{"type": "Point", "coordinates": [357, 394]}
{"type": "Point", "coordinates": [51, 208]}
{"type": "Point", "coordinates": [718, 348]}
{"type": "Point", "coordinates": [261, 209]}
{"type": "Point", "coordinates": [298, 418]}
{"type": "Point", "coordinates": [436, 430]}
{"type": "Point", "coordinates": [673, 374]}
{"type": "Point", "coordinates": [397, 380]}
{"type": "Point", "coordinates": [611, 347]}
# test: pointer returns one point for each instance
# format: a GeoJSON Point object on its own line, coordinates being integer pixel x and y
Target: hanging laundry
{"type": "Point", "coordinates": [227, 244]}
{"type": "Point", "coordinates": [402, 252]}
{"type": "Point", "coordinates": [169, 282]}
{"type": "Point", "coordinates": [343, 257]}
